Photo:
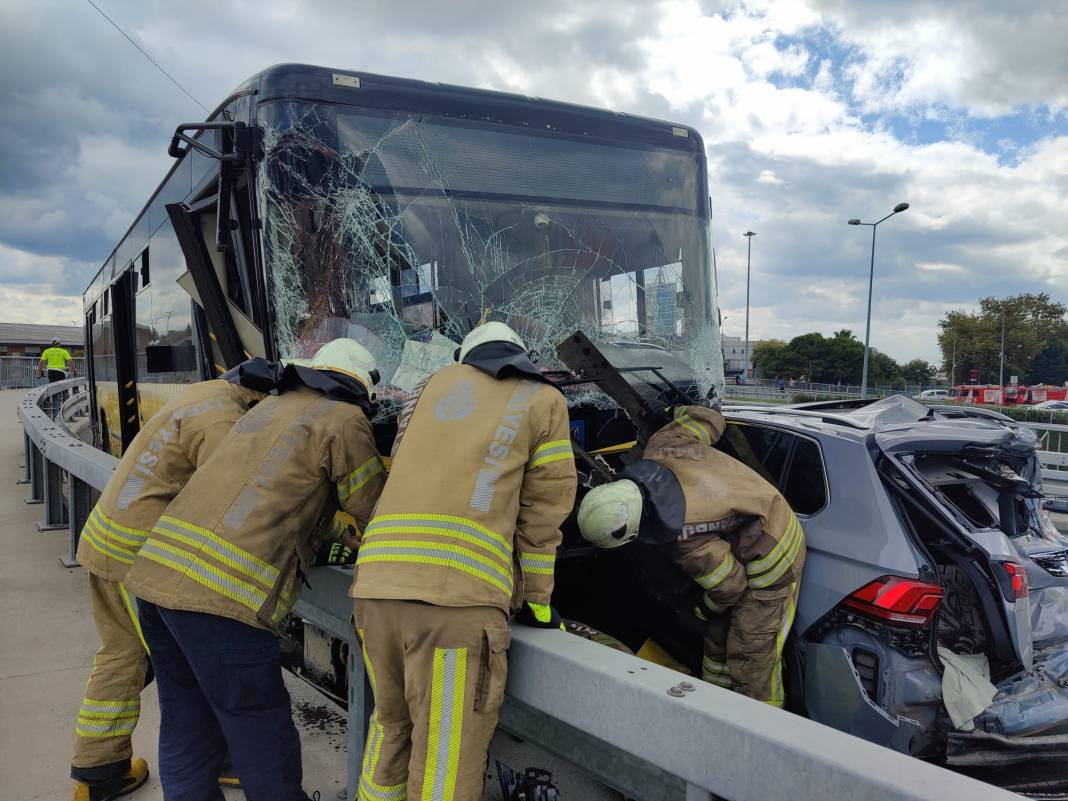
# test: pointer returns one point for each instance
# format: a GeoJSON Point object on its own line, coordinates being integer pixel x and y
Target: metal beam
{"type": "Point", "coordinates": [55, 506]}
{"type": "Point", "coordinates": [80, 505]}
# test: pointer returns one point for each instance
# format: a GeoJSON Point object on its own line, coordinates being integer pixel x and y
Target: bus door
{"type": "Point", "coordinates": [124, 331]}
{"type": "Point", "coordinates": [90, 372]}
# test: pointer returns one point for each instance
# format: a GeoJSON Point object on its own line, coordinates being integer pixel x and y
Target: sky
{"type": "Point", "coordinates": [812, 112]}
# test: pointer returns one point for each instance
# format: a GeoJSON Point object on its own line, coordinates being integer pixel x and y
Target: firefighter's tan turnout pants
{"type": "Point", "coordinates": [438, 675]}
{"type": "Point", "coordinates": [743, 645]}
{"type": "Point", "coordinates": [112, 702]}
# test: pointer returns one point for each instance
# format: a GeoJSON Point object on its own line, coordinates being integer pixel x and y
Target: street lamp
{"type": "Point", "coordinates": [748, 262]}
{"type": "Point", "coordinates": [900, 207]}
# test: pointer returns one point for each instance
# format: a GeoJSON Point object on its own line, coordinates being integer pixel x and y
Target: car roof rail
{"type": "Point", "coordinates": [836, 419]}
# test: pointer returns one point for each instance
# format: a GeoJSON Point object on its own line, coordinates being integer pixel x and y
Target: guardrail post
{"type": "Point", "coordinates": [81, 504]}
{"type": "Point", "coordinates": [55, 508]}
{"type": "Point", "coordinates": [36, 462]}
{"type": "Point", "coordinates": [361, 705]}
{"type": "Point", "coordinates": [26, 457]}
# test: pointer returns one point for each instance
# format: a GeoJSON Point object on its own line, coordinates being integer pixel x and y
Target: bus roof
{"type": "Point", "coordinates": [368, 90]}
{"type": "Point", "coordinates": [353, 87]}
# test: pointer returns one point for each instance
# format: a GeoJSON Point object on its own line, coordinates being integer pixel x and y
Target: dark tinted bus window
{"type": "Point", "coordinates": [806, 485]}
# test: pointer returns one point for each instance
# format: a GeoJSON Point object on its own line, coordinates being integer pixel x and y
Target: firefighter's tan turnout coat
{"type": "Point", "coordinates": [234, 541]}
{"type": "Point", "coordinates": [154, 468]}
{"type": "Point", "coordinates": [482, 477]}
{"type": "Point", "coordinates": [743, 545]}
{"type": "Point", "coordinates": [466, 530]}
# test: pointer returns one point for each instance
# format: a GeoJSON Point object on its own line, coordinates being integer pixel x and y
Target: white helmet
{"type": "Point", "coordinates": [489, 332]}
{"type": "Point", "coordinates": [609, 514]}
{"type": "Point", "coordinates": [348, 357]}
{"type": "Point", "coordinates": [55, 340]}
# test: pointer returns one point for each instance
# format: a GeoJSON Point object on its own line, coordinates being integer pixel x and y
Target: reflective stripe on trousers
{"type": "Point", "coordinates": [368, 789]}
{"type": "Point", "coordinates": [778, 690]}
{"type": "Point", "coordinates": [107, 718]}
{"type": "Point", "coordinates": [446, 723]}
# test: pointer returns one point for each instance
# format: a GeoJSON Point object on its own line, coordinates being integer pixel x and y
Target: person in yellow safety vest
{"type": "Point", "coordinates": [157, 464]}
{"type": "Point", "coordinates": [731, 531]}
{"type": "Point", "coordinates": [223, 566]}
{"type": "Point", "coordinates": [466, 532]}
{"type": "Point", "coordinates": [56, 358]}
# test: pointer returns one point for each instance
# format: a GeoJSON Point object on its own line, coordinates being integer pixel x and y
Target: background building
{"type": "Point", "coordinates": [24, 339]}
{"type": "Point", "coordinates": [737, 355]}
{"type": "Point", "coordinates": [661, 309]}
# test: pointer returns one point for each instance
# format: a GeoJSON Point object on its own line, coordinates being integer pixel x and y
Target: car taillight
{"type": "Point", "coordinates": [895, 599]}
{"type": "Point", "coordinates": [1013, 580]}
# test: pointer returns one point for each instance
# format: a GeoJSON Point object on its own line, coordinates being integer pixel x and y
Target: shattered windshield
{"type": "Point", "coordinates": [405, 231]}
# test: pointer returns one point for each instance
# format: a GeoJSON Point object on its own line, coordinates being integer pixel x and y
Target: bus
{"type": "Point", "coordinates": [316, 203]}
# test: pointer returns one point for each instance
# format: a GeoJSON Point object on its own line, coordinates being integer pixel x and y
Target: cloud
{"type": "Point", "coordinates": [809, 110]}
{"type": "Point", "coordinates": [988, 58]}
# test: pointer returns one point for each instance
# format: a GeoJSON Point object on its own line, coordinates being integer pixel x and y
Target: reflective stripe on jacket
{"type": "Point", "coordinates": [235, 539]}
{"type": "Point", "coordinates": [740, 533]}
{"type": "Point", "coordinates": [480, 482]}
{"type": "Point", "coordinates": [154, 468]}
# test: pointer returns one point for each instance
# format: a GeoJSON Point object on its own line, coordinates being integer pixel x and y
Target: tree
{"type": "Point", "coordinates": [973, 341]}
{"type": "Point", "coordinates": [917, 371]}
{"type": "Point", "coordinates": [882, 369]}
{"type": "Point", "coordinates": [830, 360]}
{"type": "Point", "coordinates": [1050, 366]}
{"type": "Point", "coordinates": [762, 350]}
{"type": "Point", "coordinates": [779, 362]}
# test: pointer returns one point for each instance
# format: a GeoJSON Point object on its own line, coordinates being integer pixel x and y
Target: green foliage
{"type": "Point", "coordinates": [763, 349]}
{"type": "Point", "coordinates": [918, 372]}
{"type": "Point", "coordinates": [883, 370]}
{"type": "Point", "coordinates": [1050, 365]}
{"type": "Point", "coordinates": [826, 360]}
{"type": "Point", "coordinates": [1034, 326]}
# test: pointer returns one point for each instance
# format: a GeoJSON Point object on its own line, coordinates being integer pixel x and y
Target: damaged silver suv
{"type": "Point", "coordinates": [925, 534]}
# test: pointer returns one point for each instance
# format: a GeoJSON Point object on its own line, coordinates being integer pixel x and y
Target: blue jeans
{"type": "Point", "coordinates": [220, 685]}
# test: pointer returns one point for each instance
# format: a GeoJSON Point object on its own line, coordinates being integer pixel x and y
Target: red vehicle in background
{"type": "Point", "coordinates": [1013, 395]}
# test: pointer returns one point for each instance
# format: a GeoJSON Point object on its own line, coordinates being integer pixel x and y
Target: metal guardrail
{"type": "Point", "coordinates": [645, 730]}
{"type": "Point", "coordinates": [20, 372]}
{"type": "Point", "coordinates": [65, 474]}
{"type": "Point", "coordinates": [1053, 442]}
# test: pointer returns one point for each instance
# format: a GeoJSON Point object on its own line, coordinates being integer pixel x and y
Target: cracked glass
{"type": "Point", "coordinates": [404, 231]}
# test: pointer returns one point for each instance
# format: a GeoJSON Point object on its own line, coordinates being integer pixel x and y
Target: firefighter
{"type": "Point", "coordinates": [222, 567]}
{"type": "Point", "coordinates": [732, 533]}
{"type": "Point", "coordinates": [466, 532]}
{"type": "Point", "coordinates": [156, 465]}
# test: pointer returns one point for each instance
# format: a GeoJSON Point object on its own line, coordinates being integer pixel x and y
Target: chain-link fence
{"type": "Point", "coordinates": [20, 372]}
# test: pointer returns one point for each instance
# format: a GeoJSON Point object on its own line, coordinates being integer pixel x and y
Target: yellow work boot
{"type": "Point", "coordinates": [113, 788]}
